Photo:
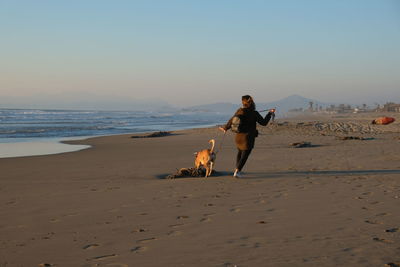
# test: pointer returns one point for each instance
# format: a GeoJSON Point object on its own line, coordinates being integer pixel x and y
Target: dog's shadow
{"type": "Point", "coordinates": [214, 174]}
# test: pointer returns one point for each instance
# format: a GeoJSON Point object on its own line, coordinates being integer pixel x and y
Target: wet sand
{"type": "Point", "coordinates": [335, 203]}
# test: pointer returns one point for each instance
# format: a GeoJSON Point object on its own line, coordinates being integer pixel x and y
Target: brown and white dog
{"type": "Point", "coordinates": [206, 158]}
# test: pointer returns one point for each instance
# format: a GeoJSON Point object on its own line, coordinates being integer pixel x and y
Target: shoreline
{"type": "Point", "coordinates": [59, 145]}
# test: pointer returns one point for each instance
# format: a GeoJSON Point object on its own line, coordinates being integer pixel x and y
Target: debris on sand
{"type": "Point", "coordinates": [301, 144]}
{"type": "Point", "coordinates": [188, 172]}
{"type": "Point", "coordinates": [353, 138]}
{"type": "Point", "coordinates": [150, 135]}
{"type": "Point", "coordinates": [344, 127]}
{"type": "Point", "coordinates": [285, 123]}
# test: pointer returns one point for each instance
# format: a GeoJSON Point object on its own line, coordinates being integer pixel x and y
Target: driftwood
{"type": "Point", "coordinates": [150, 135]}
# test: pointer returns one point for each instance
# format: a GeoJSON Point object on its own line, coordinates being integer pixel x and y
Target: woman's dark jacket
{"type": "Point", "coordinates": [248, 118]}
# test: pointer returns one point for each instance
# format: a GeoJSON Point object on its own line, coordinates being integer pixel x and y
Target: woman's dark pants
{"type": "Point", "coordinates": [241, 158]}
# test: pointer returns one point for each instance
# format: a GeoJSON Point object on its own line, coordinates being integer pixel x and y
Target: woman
{"type": "Point", "coordinates": [247, 132]}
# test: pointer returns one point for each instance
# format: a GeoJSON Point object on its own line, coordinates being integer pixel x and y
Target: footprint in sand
{"type": "Point", "coordinates": [234, 210]}
{"type": "Point", "coordinates": [113, 210]}
{"type": "Point", "coordinates": [112, 188]}
{"type": "Point", "coordinates": [382, 214]}
{"type": "Point", "coordinates": [281, 195]}
{"type": "Point", "coordinates": [103, 257]}
{"type": "Point", "coordinates": [382, 240]}
{"type": "Point", "coordinates": [352, 250]}
{"type": "Point", "coordinates": [90, 246]}
{"type": "Point", "coordinates": [228, 264]}
{"type": "Point", "coordinates": [117, 265]}
{"type": "Point", "coordinates": [177, 225]}
{"type": "Point", "coordinates": [182, 217]}
{"type": "Point", "coordinates": [139, 230]}
{"type": "Point", "coordinates": [392, 230]}
{"type": "Point", "coordinates": [146, 240]}
{"type": "Point", "coordinates": [206, 220]}
{"type": "Point", "coordinates": [139, 249]}
{"type": "Point", "coordinates": [11, 202]}
{"type": "Point", "coordinates": [375, 202]}
{"type": "Point", "coordinates": [174, 233]}
{"type": "Point", "coordinates": [392, 264]}
{"type": "Point", "coordinates": [256, 245]}
{"type": "Point", "coordinates": [71, 214]}
{"type": "Point", "coordinates": [373, 222]}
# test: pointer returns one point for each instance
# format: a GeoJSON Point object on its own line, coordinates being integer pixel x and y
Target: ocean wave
{"type": "Point", "coordinates": [61, 123]}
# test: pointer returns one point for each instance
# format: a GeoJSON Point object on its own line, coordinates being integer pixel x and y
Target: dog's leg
{"type": "Point", "coordinates": [207, 165]}
{"type": "Point", "coordinates": [197, 164]}
{"type": "Point", "coordinates": [211, 167]}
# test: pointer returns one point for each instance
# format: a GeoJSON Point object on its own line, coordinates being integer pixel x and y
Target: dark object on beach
{"type": "Point", "coordinates": [383, 120]}
{"type": "Point", "coordinates": [353, 138]}
{"type": "Point", "coordinates": [150, 135]}
{"type": "Point", "coordinates": [393, 264]}
{"type": "Point", "coordinates": [188, 172]}
{"type": "Point", "coordinates": [285, 123]}
{"type": "Point", "coordinates": [392, 230]}
{"type": "Point", "coordinates": [301, 144]}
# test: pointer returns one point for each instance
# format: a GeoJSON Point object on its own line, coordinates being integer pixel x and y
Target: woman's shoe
{"type": "Point", "coordinates": [237, 174]}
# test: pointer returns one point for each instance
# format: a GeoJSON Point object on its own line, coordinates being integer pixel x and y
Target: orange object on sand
{"type": "Point", "coordinates": [383, 120]}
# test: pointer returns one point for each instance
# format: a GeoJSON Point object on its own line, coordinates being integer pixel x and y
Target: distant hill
{"type": "Point", "coordinates": [282, 105]}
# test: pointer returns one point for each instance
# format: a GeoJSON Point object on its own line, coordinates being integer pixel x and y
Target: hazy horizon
{"type": "Point", "coordinates": [187, 53]}
{"type": "Point", "coordinates": [124, 104]}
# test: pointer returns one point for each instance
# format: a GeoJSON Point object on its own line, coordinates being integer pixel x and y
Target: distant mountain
{"type": "Point", "coordinates": [282, 106]}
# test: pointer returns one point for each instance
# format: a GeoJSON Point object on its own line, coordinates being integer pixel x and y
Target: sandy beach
{"type": "Point", "coordinates": [335, 203]}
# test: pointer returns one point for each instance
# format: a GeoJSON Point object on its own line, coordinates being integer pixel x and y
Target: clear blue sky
{"type": "Point", "coordinates": [194, 52]}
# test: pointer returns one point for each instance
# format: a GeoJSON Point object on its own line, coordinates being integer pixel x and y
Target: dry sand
{"type": "Point", "coordinates": [333, 204]}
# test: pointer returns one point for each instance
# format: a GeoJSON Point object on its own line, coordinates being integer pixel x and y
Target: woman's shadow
{"type": "Point", "coordinates": [283, 174]}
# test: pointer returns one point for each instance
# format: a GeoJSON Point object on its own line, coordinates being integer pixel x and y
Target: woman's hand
{"type": "Point", "coordinates": [222, 129]}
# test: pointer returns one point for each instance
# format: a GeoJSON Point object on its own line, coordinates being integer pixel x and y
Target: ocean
{"type": "Point", "coordinates": [21, 129]}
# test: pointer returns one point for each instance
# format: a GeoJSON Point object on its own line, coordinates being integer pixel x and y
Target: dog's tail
{"type": "Point", "coordinates": [212, 141]}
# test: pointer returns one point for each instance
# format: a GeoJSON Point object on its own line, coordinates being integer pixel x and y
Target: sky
{"type": "Point", "coordinates": [196, 52]}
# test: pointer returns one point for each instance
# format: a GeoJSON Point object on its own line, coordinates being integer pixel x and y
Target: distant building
{"type": "Point", "coordinates": [391, 107]}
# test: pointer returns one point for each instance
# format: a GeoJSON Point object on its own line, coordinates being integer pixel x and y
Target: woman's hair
{"type": "Point", "coordinates": [248, 102]}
